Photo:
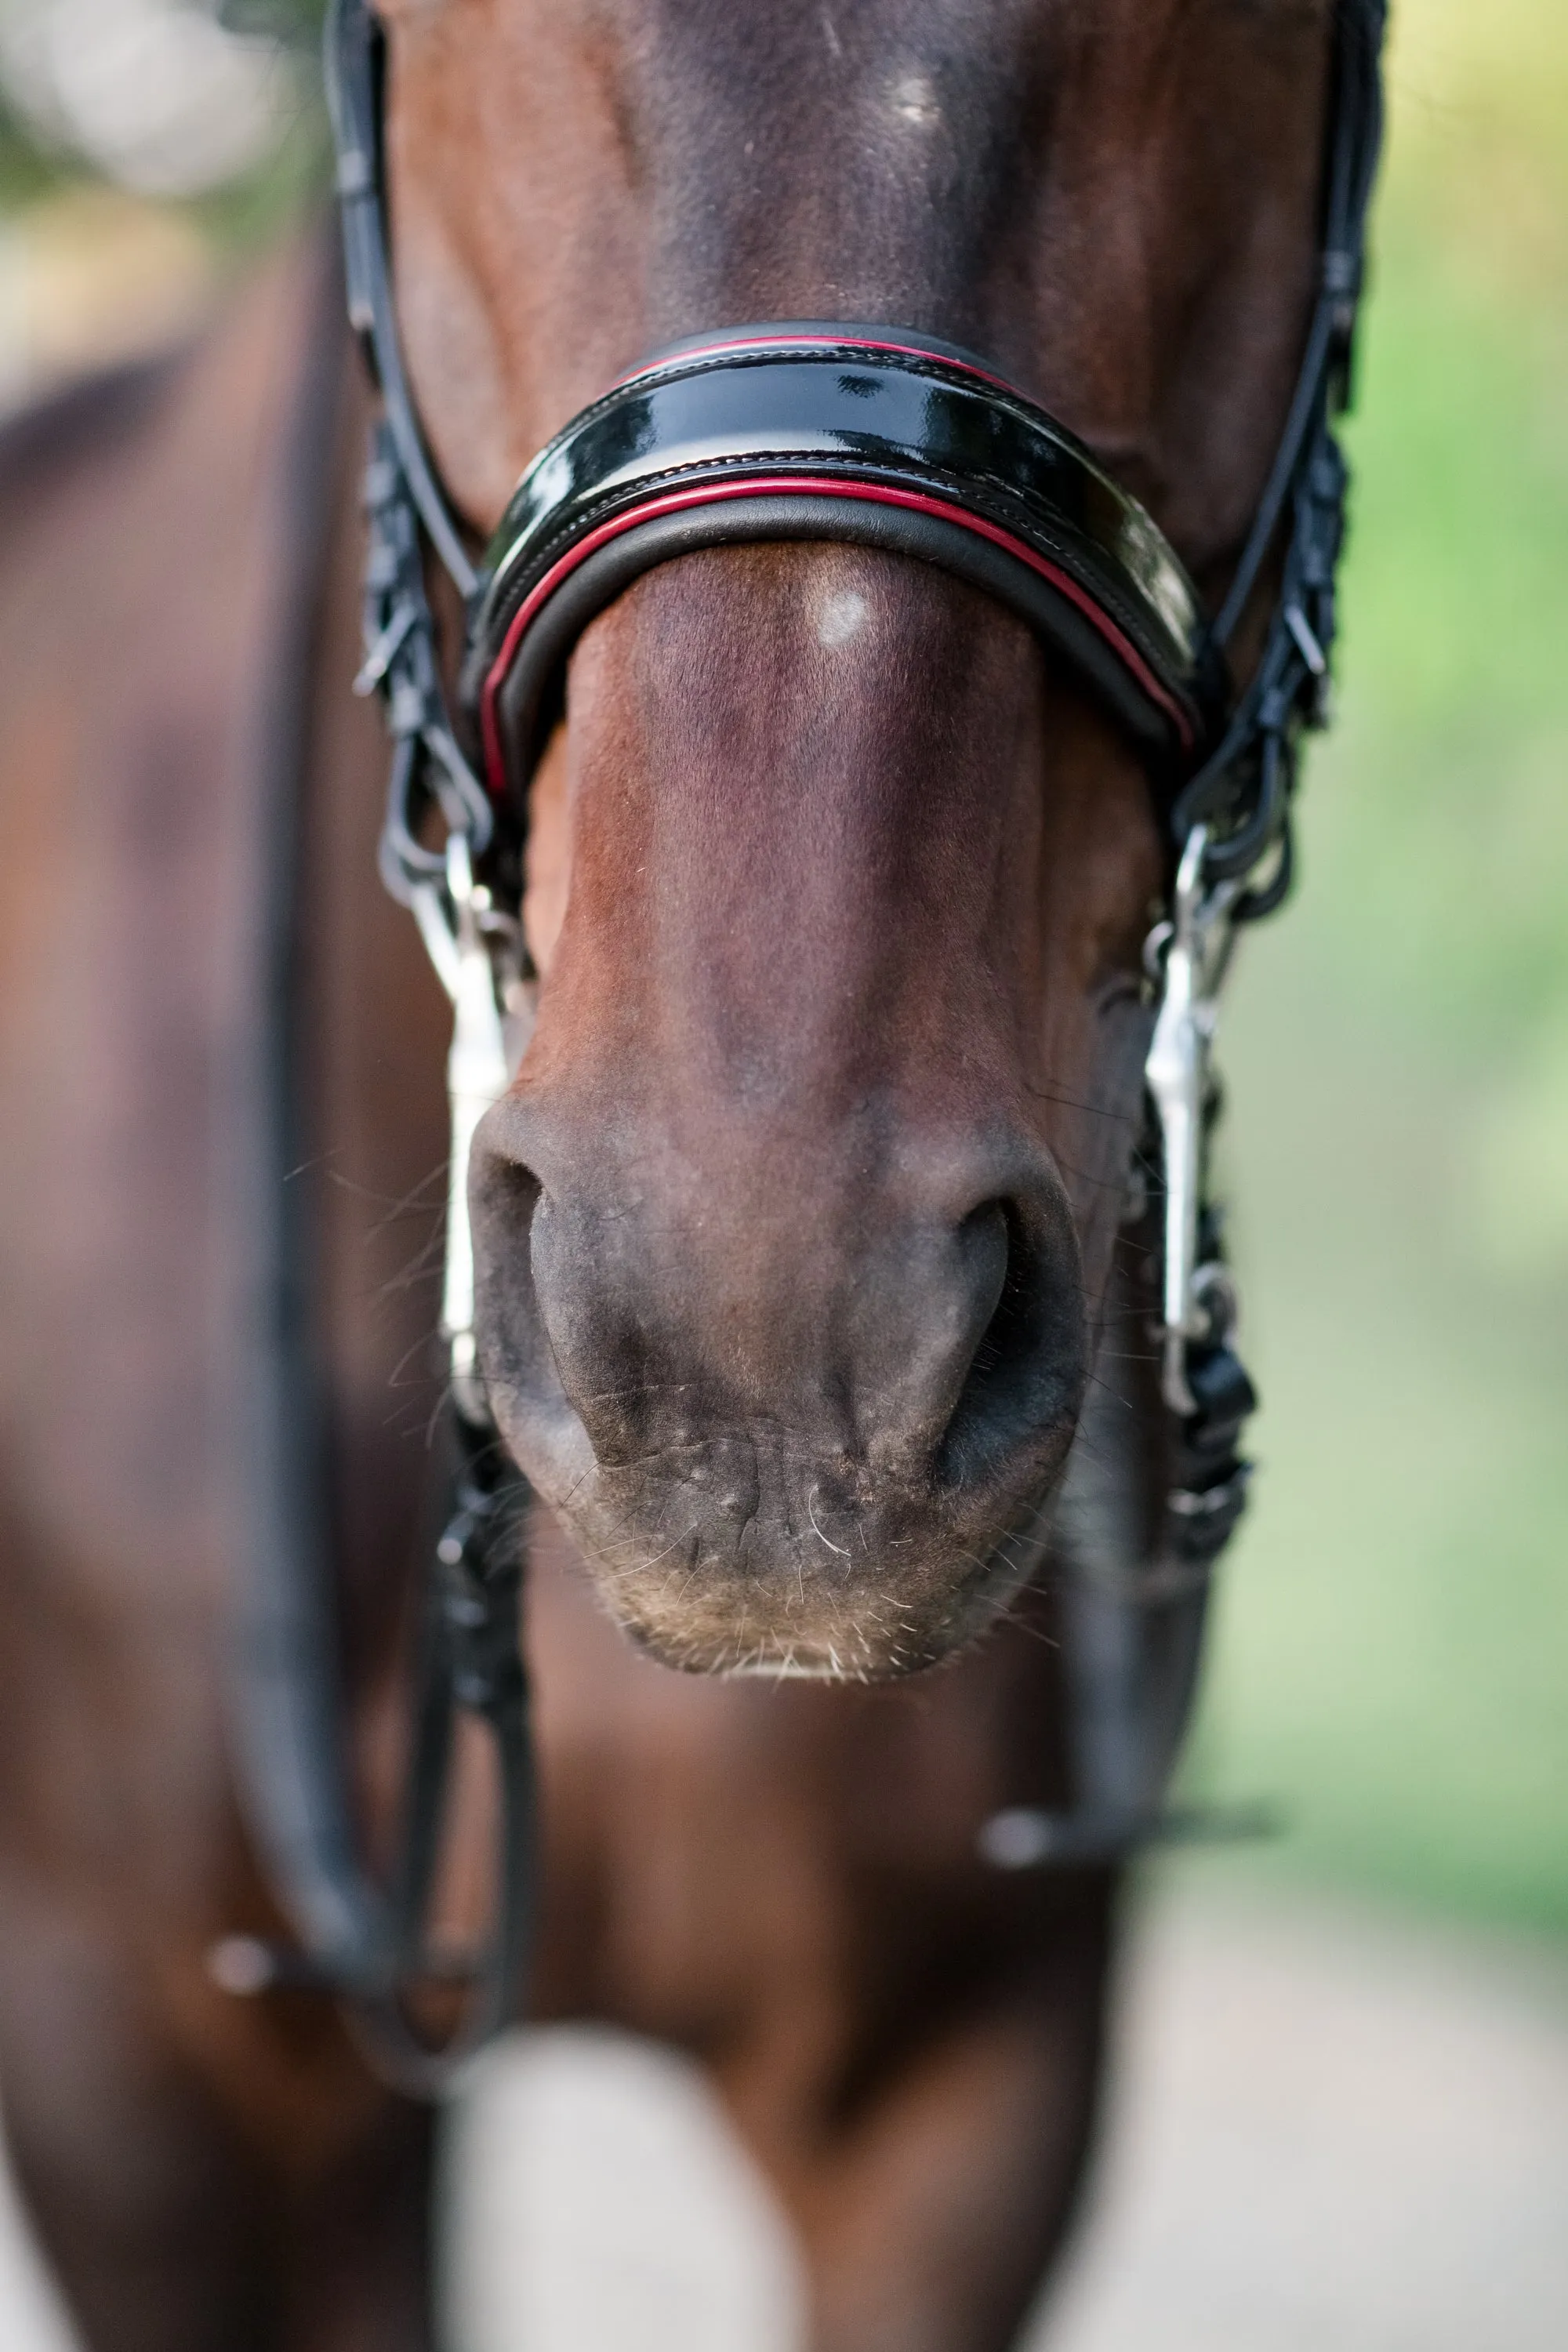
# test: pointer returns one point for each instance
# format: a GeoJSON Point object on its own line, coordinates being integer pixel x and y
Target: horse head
{"type": "Point", "coordinates": [794, 1231]}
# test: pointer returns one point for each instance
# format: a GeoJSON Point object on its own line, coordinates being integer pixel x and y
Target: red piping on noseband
{"type": "Point", "coordinates": [872, 493]}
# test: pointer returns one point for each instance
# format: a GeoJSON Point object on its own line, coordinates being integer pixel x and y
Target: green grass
{"type": "Point", "coordinates": [1392, 1650]}
{"type": "Point", "coordinates": [1392, 1646]}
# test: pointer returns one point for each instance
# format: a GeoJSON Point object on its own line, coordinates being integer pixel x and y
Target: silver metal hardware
{"type": "Point", "coordinates": [1194, 949]}
{"type": "Point", "coordinates": [478, 959]}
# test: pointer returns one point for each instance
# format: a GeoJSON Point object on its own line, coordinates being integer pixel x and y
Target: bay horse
{"type": "Point", "coordinates": [801, 1236]}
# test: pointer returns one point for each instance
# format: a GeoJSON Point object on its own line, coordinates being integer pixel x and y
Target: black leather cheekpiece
{"type": "Point", "coordinates": [857, 434]}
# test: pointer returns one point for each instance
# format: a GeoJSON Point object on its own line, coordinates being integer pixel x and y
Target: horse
{"type": "Point", "coordinates": [811, 1245]}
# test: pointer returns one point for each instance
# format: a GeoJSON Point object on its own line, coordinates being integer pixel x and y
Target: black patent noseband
{"type": "Point", "coordinates": [869, 435]}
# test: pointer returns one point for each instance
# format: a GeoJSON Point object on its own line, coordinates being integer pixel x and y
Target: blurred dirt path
{"type": "Point", "coordinates": [1329, 2131]}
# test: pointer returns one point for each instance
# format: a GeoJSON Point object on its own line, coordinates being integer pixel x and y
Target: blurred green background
{"type": "Point", "coordinates": [1392, 1650]}
{"type": "Point", "coordinates": [1391, 1658]}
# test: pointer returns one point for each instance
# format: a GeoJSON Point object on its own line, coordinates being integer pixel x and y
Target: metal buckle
{"type": "Point", "coordinates": [1189, 956]}
{"type": "Point", "coordinates": [481, 962]}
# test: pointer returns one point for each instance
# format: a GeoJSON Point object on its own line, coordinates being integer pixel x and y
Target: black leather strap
{"type": "Point", "coordinates": [360, 1937]}
{"type": "Point", "coordinates": [403, 500]}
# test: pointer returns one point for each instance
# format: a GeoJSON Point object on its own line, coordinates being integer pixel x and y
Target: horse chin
{"type": "Point", "coordinates": [902, 1608]}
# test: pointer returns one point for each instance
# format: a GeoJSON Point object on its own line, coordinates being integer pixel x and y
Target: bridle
{"type": "Point", "coordinates": [883, 438]}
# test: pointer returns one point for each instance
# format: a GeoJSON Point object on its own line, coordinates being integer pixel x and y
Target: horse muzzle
{"type": "Point", "coordinates": [790, 1434]}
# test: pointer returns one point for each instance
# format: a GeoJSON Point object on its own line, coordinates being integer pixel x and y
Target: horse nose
{"type": "Point", "coordinates": [923, 1322]}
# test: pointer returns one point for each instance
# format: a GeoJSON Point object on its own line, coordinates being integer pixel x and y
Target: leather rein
{"type": "Point", "coordinates": [809, 431]}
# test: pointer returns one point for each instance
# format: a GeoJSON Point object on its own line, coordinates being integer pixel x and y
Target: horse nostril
{"type": "Point", "coordinates": [1027, 1367]}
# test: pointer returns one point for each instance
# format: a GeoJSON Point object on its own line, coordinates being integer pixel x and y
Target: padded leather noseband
{"type": "Point", "coordinates": [857, 434]}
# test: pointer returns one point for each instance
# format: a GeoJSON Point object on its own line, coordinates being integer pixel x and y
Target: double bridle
{"type": "Point", "coordinates": [804, 431]}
